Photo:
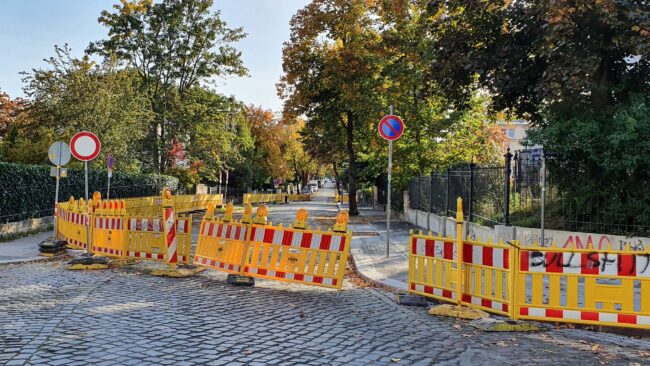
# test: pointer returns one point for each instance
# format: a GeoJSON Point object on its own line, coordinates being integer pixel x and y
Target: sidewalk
{"type": "Point", "coordinates": [23, 249]}
{"type": "Point", "coordinates": [368, 248]}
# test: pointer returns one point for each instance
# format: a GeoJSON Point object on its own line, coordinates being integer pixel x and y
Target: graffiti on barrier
{"type": "Point", "coordinates": [587, 263]}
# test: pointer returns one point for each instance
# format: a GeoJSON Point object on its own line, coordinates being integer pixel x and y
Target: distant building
{"type": "Point", "coordinates": [516, 132]}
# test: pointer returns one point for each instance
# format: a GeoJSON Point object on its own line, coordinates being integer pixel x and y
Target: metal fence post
{"type": "Point", "coordinates": [506, 182]}
{"type": "Point", "coordinates": [471, 192]}
{"type": "Point", "coordinates": [419, 194]}
{"type": "Point", "coordinates": [448, 206]}
{"type": "Point", "coordinates": [431, 193]}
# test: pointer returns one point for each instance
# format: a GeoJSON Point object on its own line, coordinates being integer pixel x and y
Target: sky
{"type": "Point", "coordinates": [29, 29]}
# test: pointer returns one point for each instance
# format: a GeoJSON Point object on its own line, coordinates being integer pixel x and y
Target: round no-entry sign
{"type": "Point", "coordinates": [391, 127]}
{"type": "Point", "coordinates": [85, 146]}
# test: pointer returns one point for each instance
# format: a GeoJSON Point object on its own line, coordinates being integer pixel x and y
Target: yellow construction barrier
{"type": "Point", "coordinates": [116, 232]}
{"type": "Point", "coordinates": [298, 197]}
{"type": "Point", "coordinates": [599, 287]}
{"type": "Point", "coordinates": [259, 198]}
{"type": "Point", "coordinates": [222, 242]}
{"type": "Point", "coordinates": [342, 198]}
{"type": "Point", "coordinates": [151, 206]}
{"type": "Point", "coordinates": [145, 238]}
{"type": "Point", "coordinates": [109, 228]}
{"type": "Point", "coordinates": [295, 254]}
{"type": "Point", "coordinates": [72, 223]}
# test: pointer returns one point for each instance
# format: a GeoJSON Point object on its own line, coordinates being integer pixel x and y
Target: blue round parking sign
{"type": "Point", "coordinates": [391, 127]}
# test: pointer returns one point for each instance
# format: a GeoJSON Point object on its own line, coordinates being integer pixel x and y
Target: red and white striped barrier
{"type": "Point", "coordinates": [229, 231]}
{"type": "Point", "coordinates": [494, 257]}
{"type": "Point", "coordinates": [433, 291]}
{"type": "Point", "coordinates": [587, 316]}
{"type": "Point", "coordinates": [586, 263]}
{"type": "Point", "coordinates": [433, 248]}
{"type": "Point", "coordinates": [146, 255]}
{"type": "Point", "coordinates": [217, 264]}
{"type": "Point", "coordinates": [76, 218]}
{"type": "Point", "coordinates": [109, 223]}
{"type": "Point", "coordinates": [170, 235]}
{"type": "Point", "coordinates": [299, 239]}
{"type": "Point", "coordinates": [183, 226]}
{"type": "Point", "coordinates": [76, 243]}
{"type": "Point", "coordinates": [146, 225]}
{"type": "Point", "coordinates": [486, 303]}
{"type": "Point", "coordinates": [320, 280]}
{"type": "Point", "coordinates": [111, 251]}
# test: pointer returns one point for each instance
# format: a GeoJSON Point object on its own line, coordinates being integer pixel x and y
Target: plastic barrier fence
{"type": "Point", "coordinates": [296, 254]}
{"type": "Point", "coordinates": [342, 198]}
{"type": "Point", "coordinates": [433, 267]}
{"type": "Point", "coordinates": [487, 276]}
{"type": "Point", "coordinates": [255, 198]}
{"type": "Point", "coordinates": [311, 257]}
{"type": "Point", "coordinates": [145, 239]}
{"type": "Point", "coordinates": [599, 287]}
{"type": "Point", "coordinates": [222, 245]}
{"type": "Point", "coordinates": [115, 232]}
{"type": "Point", "coordinates": [108, 234]}
{"type": "Point", "coordinates": [149, 206]}
{"type": "Point", "coordinates": [73, 223]}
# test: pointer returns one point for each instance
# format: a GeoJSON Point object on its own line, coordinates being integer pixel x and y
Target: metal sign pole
{"type": "Point", "coordinates": [88, 245]}
{"type": "Point", "coordinates": [542, 179]}
{"type": "Point", "coordinates": [56, 199]}
{"type": "Point", "coordinates": [108, 188]}
{"type": "Point", "coordinates": [225, 192]}
{"type": "Point", "coordinates": [390, 168]}
{"type": "Point", "coordinates": [56, 190]}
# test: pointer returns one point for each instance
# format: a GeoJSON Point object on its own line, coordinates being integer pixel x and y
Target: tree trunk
{"type": "Point", "coordinates": [336, 178]}
{"type": "Point", "coordinates": [352, 170]}
{"type": "Point", "coordinates": [155, 155]}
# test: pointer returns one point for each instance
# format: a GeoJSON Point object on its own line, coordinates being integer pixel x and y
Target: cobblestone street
{"type": "Point", "coordinates": [52, 316]}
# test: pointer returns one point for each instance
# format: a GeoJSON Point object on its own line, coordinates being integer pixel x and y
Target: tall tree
{"type": "Point", "coordinates": [331, 70]}
{"type": "Point", "coordinates": [73, 94]}
{"type": "Point", "coordinates": [578, 69]}
{"type": "Point", "coordinates": [9, 111]}
{"type": "Point", "coordinates": [174, 45]}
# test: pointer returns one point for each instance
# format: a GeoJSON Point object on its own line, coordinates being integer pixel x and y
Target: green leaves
{"type": "Point", "coordinates": [27, 191]}
{"type": "Point", "coordinates": [174, 45]}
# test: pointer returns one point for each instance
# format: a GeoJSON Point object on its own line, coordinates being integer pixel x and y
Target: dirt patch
{"type": "Point", "coordinates": [352, 276]}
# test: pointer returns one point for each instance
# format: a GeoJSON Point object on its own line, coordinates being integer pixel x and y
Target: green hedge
{"type": "Point", "coordinates": [27, 191]}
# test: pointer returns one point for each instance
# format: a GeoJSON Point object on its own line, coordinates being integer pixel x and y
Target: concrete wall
{"type": "Point", "coordinates": [20, 227]}
{"type": "Point", "coordinates": [527, 236]}
{"type": "Point", "coordinates": [446, 226]}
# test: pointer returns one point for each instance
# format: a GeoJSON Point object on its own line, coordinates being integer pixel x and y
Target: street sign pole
{"type": "Point", "coordinates": [110, 175]}
{"type": "Point", "coordinates": [542, 178]}
{"type": "Point", "coordinates": [390, 168]}
{"type": "Point", "coordinates": [59, 155]}
{"type": "Point", "coordinates": [88, 245]}
{"type": "Point", "coordinates": [85, 146]}
{"type": "Point", "coordinates": [56, 191]}
{"type": "Point", "coordinates": [390, 128]}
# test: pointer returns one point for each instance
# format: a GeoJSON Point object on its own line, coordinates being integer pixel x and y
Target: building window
{"type": "Point", "coordinates": [511, 133]}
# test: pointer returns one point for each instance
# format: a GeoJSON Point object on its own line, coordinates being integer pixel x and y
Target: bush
{"type": "Point", "coordinates": [27, 191]}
